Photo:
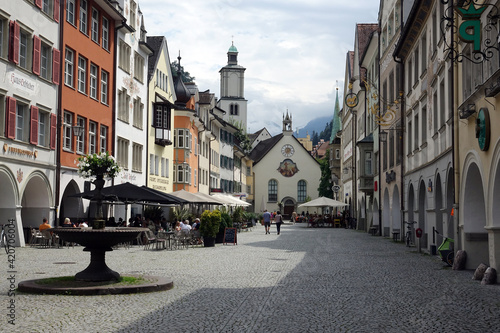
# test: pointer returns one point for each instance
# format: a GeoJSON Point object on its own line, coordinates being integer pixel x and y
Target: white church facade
{"type": "Point", "coordinates": [285, 173]}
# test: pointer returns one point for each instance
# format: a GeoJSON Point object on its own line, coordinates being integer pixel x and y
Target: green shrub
{"type": "Point", "coordinates": [210, 222]}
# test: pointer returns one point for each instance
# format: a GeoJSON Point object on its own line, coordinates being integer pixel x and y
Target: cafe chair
{"type": "Point", "coordinates": [36, 237]}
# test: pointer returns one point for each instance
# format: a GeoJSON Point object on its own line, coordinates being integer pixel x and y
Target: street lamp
{"type": "Point", "coordinates": [77, 130]}
{"type": "Point", "coordinates": [383, 134]}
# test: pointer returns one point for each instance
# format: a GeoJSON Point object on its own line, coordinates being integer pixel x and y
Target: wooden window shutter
{"type": "Point", "coordinates": [14, 32]}
{"type": "Point", "coordinates": [11, 118]}
{"type": "Point", "coordinates": [38, 3]}
{"type": "Point", "coordinates": [56, 10]}
{"type": "Point", "coordinates": [34, 125]}
{"type": "Point", "coordinates": [56, 67]}
{"type": "Point", "coordinates": [37, 44]}
{"type": "Point", "coordinates": [53, 130]}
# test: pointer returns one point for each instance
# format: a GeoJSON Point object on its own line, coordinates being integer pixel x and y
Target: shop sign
{"type": "Point", "coordinates": [22, 82]}
{"type": "Point", "coordinates": [469, 30]}
{"type": "Point", "coordinates": [20, 152]}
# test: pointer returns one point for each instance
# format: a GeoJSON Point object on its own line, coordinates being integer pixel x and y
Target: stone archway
{"type": "Point", "coordinates": [362, 222]}
{"type": "Point", "coordinates": [375, 213]}
{"type": "Point", "coordinates": [9, 201]}
{"type": "Point", "coordinates": [494, 228]}
{"type": "Point", "coordinates": [386, 209]}
{"type": "Point", "coordinates": [475, 237]}
{"type": "Point", "coordinates": [36, 201]}
{"type": "Point", "coordinates": [411, 206]}
{"type": "Point", "coordinates": [396, 209]}
{"type": "Point", "coordinates": [495, 207]}
{"type": "Point", "coordinates": [72, 206]}
{"type": "Point", "coordinates": [422, 216]}
{"type": "Point", "coordinates": [438, 206]}
{"type": "Point", "coordinates": [450, 194]}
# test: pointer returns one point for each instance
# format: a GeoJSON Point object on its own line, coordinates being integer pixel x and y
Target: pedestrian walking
{"type": "Point", "coordinates": [266, 217]}
{"type": "Point", "coordinates": [279, 220]}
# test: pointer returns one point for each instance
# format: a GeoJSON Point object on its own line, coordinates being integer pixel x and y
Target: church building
{"type": "Point", "coordinates": [285, 172]}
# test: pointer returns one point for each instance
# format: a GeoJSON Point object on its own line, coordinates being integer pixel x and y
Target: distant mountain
{"type": "Point", "coordinates": [317, 125]}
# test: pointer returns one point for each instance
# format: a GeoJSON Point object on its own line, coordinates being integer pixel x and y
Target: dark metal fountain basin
{"type": "Point", "coordinates": [98, 238]}
{"type": "Point", "coordinates": [97, 242]}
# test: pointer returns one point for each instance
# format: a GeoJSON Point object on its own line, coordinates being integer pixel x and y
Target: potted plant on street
{"type": "Point", "coordinates": [209, 227]}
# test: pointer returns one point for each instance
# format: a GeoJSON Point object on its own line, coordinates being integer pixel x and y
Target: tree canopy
{"type": "Point", "coordinates": [325, 187]}
{"type": "Point", "coordinates": [186, 76]}
{"type": "Point", "coordinates": [324, 134]}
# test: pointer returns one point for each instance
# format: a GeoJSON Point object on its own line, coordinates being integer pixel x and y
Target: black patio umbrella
{"type": "Point", "coordinates": [130, 193]}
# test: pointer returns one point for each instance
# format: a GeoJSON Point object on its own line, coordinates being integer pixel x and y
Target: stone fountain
{"type": "Point", "coordinates": [97, 242]}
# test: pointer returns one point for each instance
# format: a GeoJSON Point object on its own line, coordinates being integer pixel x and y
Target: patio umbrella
{"type": "Point", "coordinates": [194, 198]}
{"type": "Point", "coordinates": [323, 202]}
{"type": "Point", "coordinates": [231, 201]}
{"type": "Point", "coordinates": [211, 198]}
{"type": "Point", "coordinates": [130, 193]}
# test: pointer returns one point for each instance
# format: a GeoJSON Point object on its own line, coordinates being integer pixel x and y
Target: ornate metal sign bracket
{"type": "Point", "coordinates": [470, 29]}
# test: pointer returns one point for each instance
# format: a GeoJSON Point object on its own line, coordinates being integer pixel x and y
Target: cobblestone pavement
{"type": "Point", "coordinates": [305, 280]}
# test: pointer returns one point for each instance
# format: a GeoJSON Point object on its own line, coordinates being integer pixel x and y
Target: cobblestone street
{"type": "Point", "coordinates": [305, 280]}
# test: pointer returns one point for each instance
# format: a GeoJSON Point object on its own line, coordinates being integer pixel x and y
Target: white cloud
{"type": "Point", "coordinates": [293, 51]}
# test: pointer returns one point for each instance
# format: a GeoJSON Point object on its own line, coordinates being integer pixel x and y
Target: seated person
{"type": "Point", "coordinates": [67, 223]}
{"type": "Point", "coordinates": [177, 226]}
{"type": "Point", "coordinates": [45, 225]}
{"type": "Point", "coordinates": [83, 224]}
{"type": "Point", "coordinates": [196, 225]}
{"type": "Point", "coordinates": [196, 231]}
{"type": "Point", "coordinates": [185, 227]}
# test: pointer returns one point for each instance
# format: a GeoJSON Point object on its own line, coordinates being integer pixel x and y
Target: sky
{"type": "Point", "coordinates": [294, 51]}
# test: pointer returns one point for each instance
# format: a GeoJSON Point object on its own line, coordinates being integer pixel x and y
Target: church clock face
{"type": "Point", "coordinates": [287, 150]}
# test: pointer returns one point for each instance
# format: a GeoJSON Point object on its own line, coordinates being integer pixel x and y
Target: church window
{"type": "Point", "coordinates": [301, 191]}
{"type": "Point", "coordinates": [272, 191]}
{"type": "Point", "coordinates": [233, 109]}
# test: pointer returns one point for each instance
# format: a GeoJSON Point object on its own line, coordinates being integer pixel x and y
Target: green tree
{"type": "Point", "coordinates": [186, 77]}
{"type": "Point", "coordinates": [325, 187]}
{"type": "Point", "coordinates": [242, 136]}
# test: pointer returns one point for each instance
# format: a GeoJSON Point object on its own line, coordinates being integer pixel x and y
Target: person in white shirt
{"type": "Point", "coordinates": [185, 227]}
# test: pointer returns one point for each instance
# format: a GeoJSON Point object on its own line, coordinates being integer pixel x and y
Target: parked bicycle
{"type": "Point", "coordinates": [409, 233]}
{"type": "Point", "coordinates": [446, 249]}
{"type": "Point", "coordinates": [3, 239]}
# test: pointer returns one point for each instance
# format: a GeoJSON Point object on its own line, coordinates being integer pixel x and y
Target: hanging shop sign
{"type": "Point", "coordinates": [483, 129]}
{"type": "Point", "coordinates": [469, 30]}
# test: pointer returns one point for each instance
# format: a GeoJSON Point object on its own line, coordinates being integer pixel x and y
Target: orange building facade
{"type": "Point", "coordinates": [186, 149]}
{"type": "Point", "coordinates": [87, 64]}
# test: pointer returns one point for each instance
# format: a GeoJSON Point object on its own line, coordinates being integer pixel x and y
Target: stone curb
{"type": "Point", "coordinates": [158, 284]}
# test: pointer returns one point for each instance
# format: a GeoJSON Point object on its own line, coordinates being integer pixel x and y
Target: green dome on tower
{"type": "Point", "coordinates": [233, 49]}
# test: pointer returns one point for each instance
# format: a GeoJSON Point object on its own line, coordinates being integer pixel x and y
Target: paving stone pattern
{"type": "Point", "coordinates": [304, 280]}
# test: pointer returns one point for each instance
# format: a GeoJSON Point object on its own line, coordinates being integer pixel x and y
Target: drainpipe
{"type": "Point", "coordinates": [455, 155]}
{"type": "Point", "coordinates": [113, 104]}
{"type": "Point", "coordinates": [59, 121]}
{"type": "Point", "coordinates": [403, 126]}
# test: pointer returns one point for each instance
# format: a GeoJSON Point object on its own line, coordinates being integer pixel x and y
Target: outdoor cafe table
{"type": "Point", "coordinates": [168, 235]}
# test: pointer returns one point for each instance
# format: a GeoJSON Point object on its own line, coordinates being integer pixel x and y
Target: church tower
{"type": "Point", "coordinates": [287, 124]}
{"type": "Point", "coordinates": [232, 90]}
{"type": "Point", "coordinates": [336, 119]}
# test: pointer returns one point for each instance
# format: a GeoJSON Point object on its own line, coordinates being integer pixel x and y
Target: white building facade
{"type": "Point", "coordinates": [30, 63]}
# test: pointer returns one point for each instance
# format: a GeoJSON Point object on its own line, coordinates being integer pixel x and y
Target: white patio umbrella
{"type": "Point", "coordinates": [323, 202]}
{"type": "Point", "coordinates": [230, 200]}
